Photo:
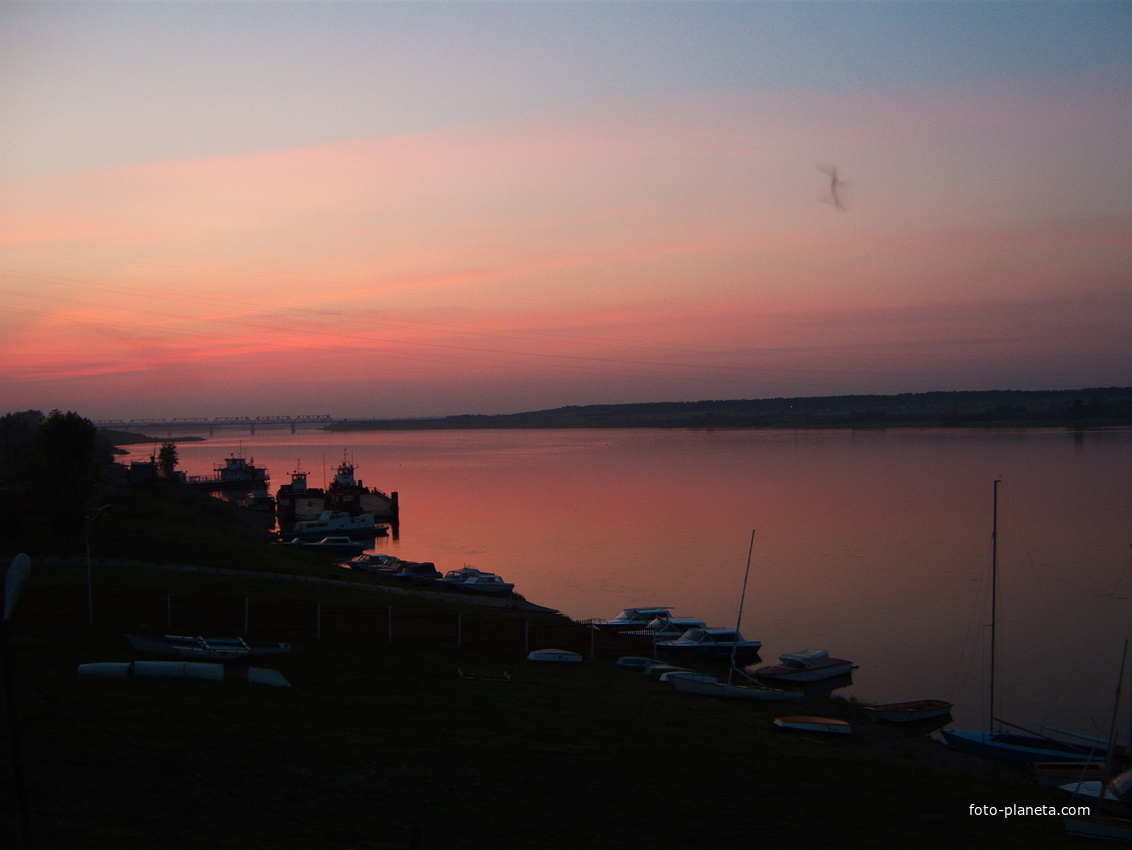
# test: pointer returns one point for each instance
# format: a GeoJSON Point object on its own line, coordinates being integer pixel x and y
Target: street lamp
{"type": "Point", "coordinates": [13, 586]}
{"type": "Point", "coordinates": [90, 519]}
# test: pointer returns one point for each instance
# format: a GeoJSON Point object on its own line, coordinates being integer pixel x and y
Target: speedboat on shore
{"type": "Point", "coordinates": [673, 628]}
{"type": "Point", "coordinates": [809, 665]}
{"type": "Point", "coordinates": [715, 643]}
{"type": "Point", "coordinates": [476, 581]}
{"type": "Point", "coordinates": [633, 619]}
{"type": "Point", "coordinates": [417, 571]}
{"type": "Point", "coordinates": [377, 564]}
{"type": "Point", "coordinates": [205, 649]}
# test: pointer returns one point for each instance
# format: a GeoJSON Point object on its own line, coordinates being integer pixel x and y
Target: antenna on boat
{"type": "Point", "coordinates": [739, 617]}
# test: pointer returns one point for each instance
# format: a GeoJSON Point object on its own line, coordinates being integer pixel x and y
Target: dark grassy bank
{"type": "Point", "coordinates": [384, 745]}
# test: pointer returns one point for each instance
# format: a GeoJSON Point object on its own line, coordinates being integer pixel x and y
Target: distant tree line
{"type": "Point", "coordinates": [993, 408]}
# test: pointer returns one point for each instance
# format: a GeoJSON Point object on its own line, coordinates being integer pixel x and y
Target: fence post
{"type": "Point", "coordinates": [592, 631]}
{"type": "Point", "coordinates": [168, 610]}
{"type": "Point", "coordinates": [318, 621]}
{"type": "Point", "coordinates": [389, 624]}
{"type": "Point", "coordinates": [526, 636]}
{"type": "Point", "coordinates": [245, 615]}
{"type": "Point", "coordinates": [459, 631]}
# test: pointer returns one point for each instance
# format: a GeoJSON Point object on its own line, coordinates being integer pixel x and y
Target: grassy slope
{"type": "Point", "coordinates": [374, 741]}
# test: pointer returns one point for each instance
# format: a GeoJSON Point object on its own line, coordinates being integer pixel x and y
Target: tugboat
{"type": "Point", "coordinates": [297, 503]}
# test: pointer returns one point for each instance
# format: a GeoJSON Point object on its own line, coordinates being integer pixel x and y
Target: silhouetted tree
{"type": "Point", "coordinates": [167, 461]}
{"type": "Point", "coordinates": [67, 470]}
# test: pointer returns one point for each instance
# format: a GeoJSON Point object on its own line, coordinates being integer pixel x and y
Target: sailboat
{"type": "Point", "coordinates": [1021, 746]}
{"type": "Point", "coordinates": [1111, 792]}
{"type": "Point", "coordinates": [751, 690]}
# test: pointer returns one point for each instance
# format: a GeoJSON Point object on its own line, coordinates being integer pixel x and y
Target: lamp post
{"type": "Point", "coordinates": [90, 519]}
{"type": "Point", "coordinates": [13, 586]}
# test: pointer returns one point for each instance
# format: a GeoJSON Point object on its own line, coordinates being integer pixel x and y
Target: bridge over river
{"type": "Point", "coordinates": [211, 425]}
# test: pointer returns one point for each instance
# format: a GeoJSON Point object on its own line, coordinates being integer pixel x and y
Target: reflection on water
{"type": "Point", "coordinates": [872, 545]}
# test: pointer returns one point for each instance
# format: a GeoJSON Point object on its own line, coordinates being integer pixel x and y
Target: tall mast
{"type": "Point", "coordinates": [739, 617]}
{"type": "Point", "coordinates": [993, 603]}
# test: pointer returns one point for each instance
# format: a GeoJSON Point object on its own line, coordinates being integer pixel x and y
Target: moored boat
{"type": "Point", "coordinates": [908, 712]}
{"type": "Point", "coordinates": [424, 572]}
{"type": "Point", "coordinates": [334, 545]}
{"type": "Point", "coordinates": [712, 643]}
{"type": "Point", "coordinates": [632, 619]}
{"type": "Point", "coordinates": [672, 628]}
{"type": "Point", "coordinates": [236, 473]}
{"type": "Point", "coordinates": [476, 581]}
{"type": "Point", "coordinates": [1113, 796]}
{"type": "Point", "coordinates": [377, 564]}
{"type": "Point", "coordinates": [809, 665]}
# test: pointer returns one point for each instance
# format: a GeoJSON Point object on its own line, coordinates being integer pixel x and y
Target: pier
{"type": "Point", "coordinates": [229, 422]}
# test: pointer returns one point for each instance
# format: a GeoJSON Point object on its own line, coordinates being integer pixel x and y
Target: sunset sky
{"type": "Point", "coordinates": [426, 208]}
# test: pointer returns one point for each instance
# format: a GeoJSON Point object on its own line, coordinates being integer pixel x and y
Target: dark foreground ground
{"type": "Point", "coordinates": [386, 746]}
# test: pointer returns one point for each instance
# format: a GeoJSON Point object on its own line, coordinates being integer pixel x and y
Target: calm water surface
{"type": "Point", "coordinates": [874, 545]}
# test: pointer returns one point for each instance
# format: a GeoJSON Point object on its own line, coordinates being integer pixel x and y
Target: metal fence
{"type": "Point", "coordinates": [166, 613]}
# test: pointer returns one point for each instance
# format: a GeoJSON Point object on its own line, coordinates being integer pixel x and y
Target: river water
{"type": "Point", "coordinates": [873, 545]}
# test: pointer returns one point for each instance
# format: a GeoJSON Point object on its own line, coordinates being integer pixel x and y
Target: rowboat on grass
{"type": "Point", "coordinates": [808, 723]}
{"type": "Point", "coordinates": [908, 712]}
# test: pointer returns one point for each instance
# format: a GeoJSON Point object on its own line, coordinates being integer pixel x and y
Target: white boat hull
{"type": "Point", "coordinates": [555, 656]}
{"type": "Point", "coordinates": [825, 725]}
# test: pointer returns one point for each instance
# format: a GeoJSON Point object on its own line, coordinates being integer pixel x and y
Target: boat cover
{"type": "Point", "coordinates": [807, 657]}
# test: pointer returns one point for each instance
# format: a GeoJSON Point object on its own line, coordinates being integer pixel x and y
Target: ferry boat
{"type": "Point", "coordinates": [236, 473]}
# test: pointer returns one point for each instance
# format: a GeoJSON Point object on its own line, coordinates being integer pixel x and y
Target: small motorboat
{"type": "Point", "coordinates": [336, 545]}
{"type": "Point", "coordinates": [806, 723]}
{"type": "Point", "coordinates": [673, 628]}
{"type": "Point", "coordinates": [373, 563]}
{"type": "Point", "coordinates": [908, 712]}
{"type": "Point", "coordinates": [476, 581]}
{"type": "Point", "coordinates": [809, 665]}
{"type": "Point", "coordinates": [417, 571]}
{"type": "Point", "coordinates": [633, 619]}
{"type": "Point", "coordinates": [555, 656]}
{"type": "Point", "coordinates": [712, 643]}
